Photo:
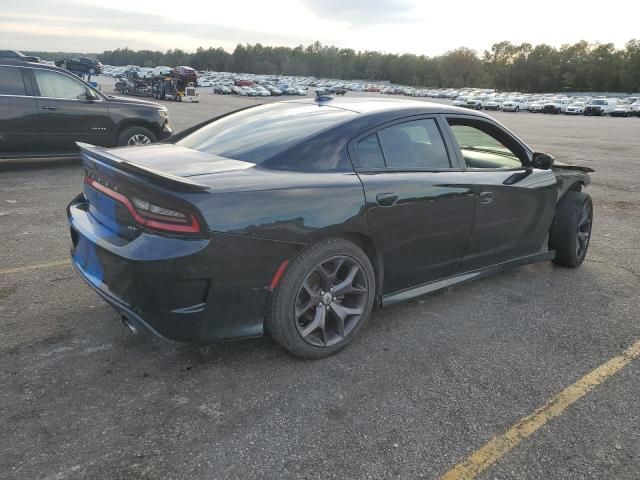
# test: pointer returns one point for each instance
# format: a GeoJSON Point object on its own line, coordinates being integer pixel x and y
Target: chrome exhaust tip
{"type": "Point", "coordinates": [129, 325]}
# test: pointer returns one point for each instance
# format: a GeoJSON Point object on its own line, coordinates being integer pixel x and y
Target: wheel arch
{"type": "Point", "coordinates": [365, 242]}
{"type": "Point", "coordinates": [137, 123]}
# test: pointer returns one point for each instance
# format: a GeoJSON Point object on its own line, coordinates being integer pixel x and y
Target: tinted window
{"type": "Point", "coordinates": [256, 134]}
{"type": "Point", "coordinates": [56, 85]}
{"type": "Point", "coordinates": [11, 81]}
{"type": "Point", "coordinates": [484, 146]}
{"type": "Point", "coordinates": [415, 144]}
{"type": "Point", "coordinates": [369, 152]}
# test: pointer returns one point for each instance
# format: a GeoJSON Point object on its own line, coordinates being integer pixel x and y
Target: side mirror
{"type": "Point", "coordinates": [541, 160]}
{"type": "Point", "coordinates": [90, 95]}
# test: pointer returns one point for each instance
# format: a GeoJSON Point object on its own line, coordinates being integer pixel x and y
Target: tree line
{"type": "Point", "coordinates": [583, 66]}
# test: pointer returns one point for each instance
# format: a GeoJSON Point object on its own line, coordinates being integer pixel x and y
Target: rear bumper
{"type": "Point", "coordinates": [125, 311]}
{"type": "Point", "coordinates": [189, 290]}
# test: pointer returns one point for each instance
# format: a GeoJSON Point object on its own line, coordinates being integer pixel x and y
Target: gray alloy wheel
{"type": "Point", "coordinates": [325, 296]}
{"type": "Point", "coordinates": [584, 229]}
{"type": "Point", "coordinates": [331, 300]}
{"type": "Point", "coordinates": [138, 140]}
{"type": "Point", "coordinates": [571, 229]}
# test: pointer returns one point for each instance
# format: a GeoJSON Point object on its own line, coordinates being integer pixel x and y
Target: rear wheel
{"type": "Point", "coordinates": [571, 229]}
{"type": "Point", "coordinates": [136, 136]}
{"type": "Point", "coordinates": [324, 298]}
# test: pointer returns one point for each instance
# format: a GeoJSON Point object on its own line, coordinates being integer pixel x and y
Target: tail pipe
{"type": "Point", "coordinates": [129, 325]}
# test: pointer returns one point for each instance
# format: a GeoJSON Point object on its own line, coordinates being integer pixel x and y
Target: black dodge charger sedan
{"type": "Point", "coordinates": [300, 217]}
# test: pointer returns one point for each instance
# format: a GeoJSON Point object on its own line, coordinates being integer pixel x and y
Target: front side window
{"type": "Point", "coordinates": [56, 85]}
{"type": "Point", "coordinates": [484, 146]}
{"type": "Point", "coordinates": [11, 81]}
{"type": "Point", "coordinates": [417, 144]}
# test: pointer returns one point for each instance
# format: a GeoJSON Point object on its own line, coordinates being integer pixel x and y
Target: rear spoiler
{"type": "Point", "coordinates": [104, 156]}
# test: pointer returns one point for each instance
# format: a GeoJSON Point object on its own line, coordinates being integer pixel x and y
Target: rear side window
{"type": "Point", "coordinates": [257, 134]}
{"type": "Point", "coordinates": [56, 85]}
{"type": "Point", "coordinates": [11, 81]}
{"type": "Point", "coordinates": [369, 152]}
{"type": "Point", "coordinates": [416, 144]}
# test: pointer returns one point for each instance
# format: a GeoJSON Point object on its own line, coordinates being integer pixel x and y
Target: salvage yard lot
{"type": "Point", "coordinates": [424, 385]}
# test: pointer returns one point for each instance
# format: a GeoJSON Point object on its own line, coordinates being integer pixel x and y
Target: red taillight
{"type": "Point", "coordinates": [148, 214]}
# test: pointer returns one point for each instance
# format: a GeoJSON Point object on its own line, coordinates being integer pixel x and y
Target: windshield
{"type": "Point", "coordinates": [598, 102]}
{"type": "Point", "coordinates": [258, 133]}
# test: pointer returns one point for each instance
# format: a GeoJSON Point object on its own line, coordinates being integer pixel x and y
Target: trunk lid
{"type": "Point", "coordinates": [120, 181]}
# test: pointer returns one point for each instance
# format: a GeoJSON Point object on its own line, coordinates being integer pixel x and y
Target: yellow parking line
{"type": "Point", "coordinates": [498, 446]}
{"type": "Point", "coordinates": [37, 266]}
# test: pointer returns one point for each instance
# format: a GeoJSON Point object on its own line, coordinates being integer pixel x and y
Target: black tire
{"type": "Point", "coordinates": [284, 320]}
{"type": "Point", "coordinates": [130, 133]}
{"type": "Point", "coordinates": [571, 229]}
{"type": "Point", "coordinates": [517, 109]}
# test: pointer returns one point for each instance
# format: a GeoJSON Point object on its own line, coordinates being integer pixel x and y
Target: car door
{"type": "Point", "coordinates": [514, 203]}
{"type": "Point", "coordinates": [17, 112]}
{"type": "Point", "coordinates": [66, 114]}
{"type": "Point", "coordinates": [419, 202]}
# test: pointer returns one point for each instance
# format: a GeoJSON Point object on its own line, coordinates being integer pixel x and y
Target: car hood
{"type": "Point", "coordinates": [111, 99]}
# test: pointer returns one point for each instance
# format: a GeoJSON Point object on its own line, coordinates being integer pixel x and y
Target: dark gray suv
{"type": "Point", "coordinates": [45, 110]}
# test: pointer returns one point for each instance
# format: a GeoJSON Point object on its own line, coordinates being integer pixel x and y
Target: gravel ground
{"type": "Point", "coordinates": [425, 384]}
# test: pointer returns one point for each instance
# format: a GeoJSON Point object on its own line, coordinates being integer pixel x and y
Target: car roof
{"type": "Point", "coordinates": [363, 105]}
{"type": "Point", "coordinates": [25, 63]}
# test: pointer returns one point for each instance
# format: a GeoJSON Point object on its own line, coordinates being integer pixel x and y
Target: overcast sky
{"type": "Point", "coordinates": [397, 26]}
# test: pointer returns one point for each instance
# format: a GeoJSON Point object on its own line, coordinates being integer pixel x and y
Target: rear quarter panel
{"type": "Point", "coordinates": [293, 207]}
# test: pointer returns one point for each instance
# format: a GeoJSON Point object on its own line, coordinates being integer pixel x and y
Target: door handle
{"type": "Point", "coordinates": [47, 107]}
{"type": "Point", "coordinates": [386, 199]}
{"type": "Point", "coordinates": [486, 197]}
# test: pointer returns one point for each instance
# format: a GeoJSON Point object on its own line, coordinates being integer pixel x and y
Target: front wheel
{"type": "Point", "coordinates": [323, 299]}
{"type": "Point", "coordinates": [571, 229]}
{"type": "Point", "coordinates": [135, 137]}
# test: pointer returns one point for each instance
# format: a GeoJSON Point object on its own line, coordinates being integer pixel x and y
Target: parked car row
{"type": "Point", "coordinates": [256, 85]}
{"type": "Point", "coordinates": [551, 104]}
